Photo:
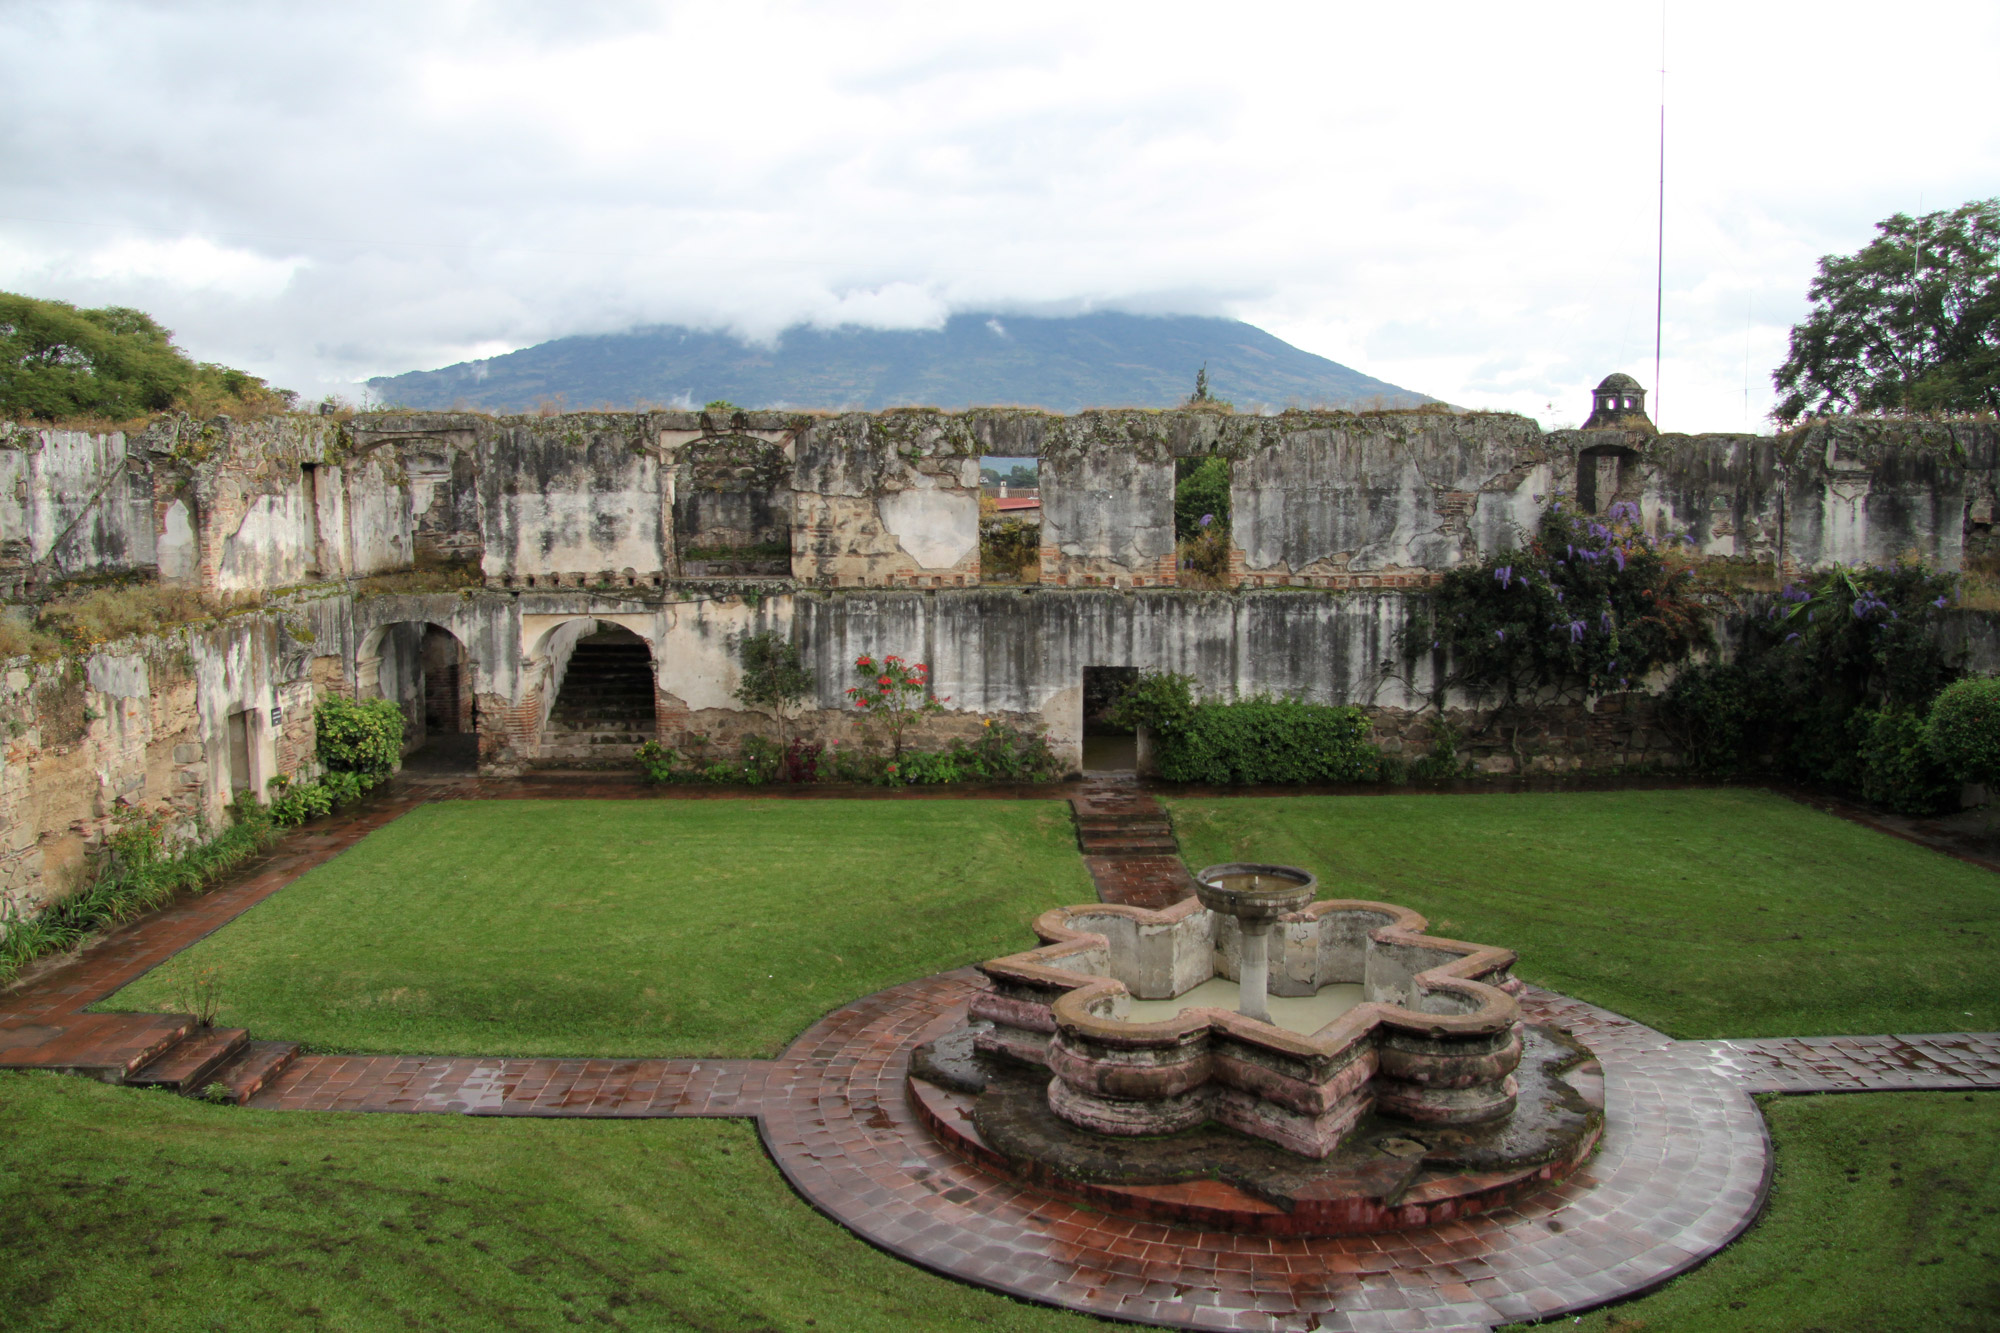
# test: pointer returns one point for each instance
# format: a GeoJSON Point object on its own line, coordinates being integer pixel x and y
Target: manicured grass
{"type": "Point", "coordinates": [629, 928]}
{"type": "Point", "coordinates": [141, 1212]}
{"type": "Point", "coordinates": [1882, 1219]}
{"type": "Point", "coordinates": [1722, 913]}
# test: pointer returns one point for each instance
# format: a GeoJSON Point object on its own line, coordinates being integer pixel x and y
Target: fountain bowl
{"type": "Point", "coordinates": [1254, 893]}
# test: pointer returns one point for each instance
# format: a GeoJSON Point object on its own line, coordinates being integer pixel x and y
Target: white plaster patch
{"type": "Point", "coordinates": [937, 528]}
{"type": "Point", "coordinates": [120, 677]}
{"type": "Point", "coordinates": [178, 555]}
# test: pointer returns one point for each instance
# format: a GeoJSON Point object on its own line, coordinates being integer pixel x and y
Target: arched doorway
{"type": "Point", "coordinates": [604, 705]}
{"type": "Point", "coordinates": [427, 671]}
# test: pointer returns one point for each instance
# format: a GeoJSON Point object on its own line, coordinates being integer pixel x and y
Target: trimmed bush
{"type": "Point", "coordinates": [1897, 767]}
{"type": "Point", "coordinates": [1270, 740]}
{"type": "Point", "coordinates": [1964, 730]}
{"type": "Point", "coordinates": [359, 738]}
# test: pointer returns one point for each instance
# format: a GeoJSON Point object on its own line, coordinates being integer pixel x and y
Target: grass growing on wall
{"type": "Point", "coordinates": [1720, 913]}
{"type": "Point", "coordinates": [148, 1213]}
{"type": "Point", "coordinates": [634, 928]}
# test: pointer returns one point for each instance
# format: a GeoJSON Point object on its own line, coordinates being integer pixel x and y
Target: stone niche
{"type": "Point", "coordinates": [733, 507]}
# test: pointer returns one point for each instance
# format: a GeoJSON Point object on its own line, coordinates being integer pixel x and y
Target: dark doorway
{"type": "Point", "coordinates": [239, 752]}
{"type": "Point", "coordinates": [1107, 747]}
{"type": "Point", "coordinates": [604, 710]}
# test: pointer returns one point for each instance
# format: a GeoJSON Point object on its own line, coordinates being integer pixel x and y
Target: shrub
{"type": "Point", "coordinates": [1897, 767]}
{"type": "Point", "coordinates": [895, 692]}
{"type": "Point", "coordinates": [359, 738]}
{"type": "Point", "coordinates": [775, 676]}
{"type": "Point", "coordinates": [1270, 740]}
{"type": "Point", "coordinates": [1159, 701]}
{"type": "Point", "coordinates": [1964, 730]}
{"type": "Point", "coordinates": [1711, 710]}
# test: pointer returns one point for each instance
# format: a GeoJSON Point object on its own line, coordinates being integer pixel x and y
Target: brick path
{"type": "Point", "coordinates": [1940, 1062]}
{"type": "Point", "coordinates": [1682, 1170]}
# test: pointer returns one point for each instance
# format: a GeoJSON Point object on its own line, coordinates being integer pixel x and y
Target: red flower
{"type": "Point", "coordinates": [862, 662]}
{"type": "Point", "coordinates": [883, 681]}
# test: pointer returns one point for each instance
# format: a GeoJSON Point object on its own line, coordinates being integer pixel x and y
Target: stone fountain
{"type": "Point", "coordinates": [1359, 1074]}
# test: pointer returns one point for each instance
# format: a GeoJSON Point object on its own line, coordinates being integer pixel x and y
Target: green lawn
{"type": "Point", "coordinates": [142, 1211]}
{"type": "Point", "coordinates": [1884, 1218]}
{"type": "Point", "coordinates": [629, 928]}
{"type": "Point", "coordinates": [1721, 913]}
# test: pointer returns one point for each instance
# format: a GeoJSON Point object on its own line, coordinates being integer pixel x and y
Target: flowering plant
{"type": "Point", "coordinates": [895, 692]}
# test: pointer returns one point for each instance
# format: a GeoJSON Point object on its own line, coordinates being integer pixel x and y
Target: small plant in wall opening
{"type": "Point", "coordinates": [895, 693]}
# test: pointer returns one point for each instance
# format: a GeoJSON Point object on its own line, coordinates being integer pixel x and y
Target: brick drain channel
{"type": "Point", "coordinates": [1683, 1168]}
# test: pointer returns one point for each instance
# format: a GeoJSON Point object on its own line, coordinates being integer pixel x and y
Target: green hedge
{"type": "Point", "coordinates": [1964, 730]}
{"type": "Point", "coordinates": [1269, 740]}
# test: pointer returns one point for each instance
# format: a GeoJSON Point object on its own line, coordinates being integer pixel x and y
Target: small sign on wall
{"type": "Point", "coordinates": [277, 717]}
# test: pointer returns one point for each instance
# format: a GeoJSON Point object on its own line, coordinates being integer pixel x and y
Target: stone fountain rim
{"type": "Point", "coordinates": [1498, 1009]}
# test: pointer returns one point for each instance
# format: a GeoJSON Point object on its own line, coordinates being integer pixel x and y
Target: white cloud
{"type": "Point", "coordinates": [1457, 199]}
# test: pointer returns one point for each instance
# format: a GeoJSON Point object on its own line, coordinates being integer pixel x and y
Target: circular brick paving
{"type": "Point", "coordinates": [1682, 1170]}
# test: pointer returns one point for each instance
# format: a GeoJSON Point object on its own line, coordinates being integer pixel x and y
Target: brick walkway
{"type": "Point", "coordinates": [1941, 1062]}
{"type": "Point", "coordinates": [1682, 1170]}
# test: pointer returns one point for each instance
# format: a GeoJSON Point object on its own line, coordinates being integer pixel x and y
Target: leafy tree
{"type": "Point", "coordinates": [59, 362]}
{"type": "Point", "coordinates": [1909, 323]}
{"type": "Point", "coordinates": [1201, 490]}
{"type": "Point", "coordinates": [1200, 394]}
{"type": "Point", "coordinates": [775, 676]}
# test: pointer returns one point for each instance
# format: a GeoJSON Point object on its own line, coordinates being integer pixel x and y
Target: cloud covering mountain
{"type": "Point", "coordinates": [1105, 359]}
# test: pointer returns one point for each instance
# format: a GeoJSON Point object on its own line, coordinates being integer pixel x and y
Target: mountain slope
{"type": "Point", "coordinates": [1097, 360]}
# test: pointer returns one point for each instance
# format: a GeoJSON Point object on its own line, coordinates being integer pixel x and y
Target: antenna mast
{"type": "Point", "coordinates": [1660, 238]}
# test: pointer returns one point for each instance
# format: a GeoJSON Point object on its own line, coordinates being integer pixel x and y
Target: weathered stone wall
{"type": "Point", "coordinates": [890, 500]}
{"type": "Point", "coordinates": [71, 503]}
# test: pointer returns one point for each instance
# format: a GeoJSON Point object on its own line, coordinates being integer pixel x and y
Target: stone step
{"type": "Point", "coordinates": [111, 1047]}
{"type": "Point", "coordinates": [252, 1068]}
{"type": "Point", "coordinates": [1128, 846]}
{"type": "Point", "coordinates": [187, 1065]}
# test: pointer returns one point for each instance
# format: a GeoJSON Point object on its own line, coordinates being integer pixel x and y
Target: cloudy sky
{"type": "Point", "coordinates": [1458, 199]}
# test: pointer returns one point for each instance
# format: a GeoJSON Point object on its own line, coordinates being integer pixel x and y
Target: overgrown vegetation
{"type": "Point", "coordinates": [60, 363]}
{"type": "Point", "coordinates": [82, 618]}
{"type": "Point", "coordinates": [138, 870]}
{"type": "Point", "coordinates": [1010, 550]}
{"type": "Point", "coordinates": [641, 928]}
{"type": "Point", "coordinates": [1589, 607]}
{"type": "Point", "coordinates": [1831, 686]}
{"type": "Point", "coordinates": [1201, 520]}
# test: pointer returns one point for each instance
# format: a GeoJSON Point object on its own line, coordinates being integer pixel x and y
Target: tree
{"type": "Point", "coordinates": [1909, 323]}
{"type": "Point", "coordinates": [1200, 394]}
{"type": "Point", "coordinates": [59, 362]}
{"type": "Point", "coordinates": [775, 676]}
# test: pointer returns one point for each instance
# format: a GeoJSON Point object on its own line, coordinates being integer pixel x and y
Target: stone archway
{"type": "Point", "coordinates": [598, 692]}
{"type": "Point", "coordinates": [426, 669]}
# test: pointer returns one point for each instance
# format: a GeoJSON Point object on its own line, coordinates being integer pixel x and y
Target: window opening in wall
{"type": "Point", "coordinates": [1107, 747]}
{"type": "Point", "coordinates": [1010, 519]}
{"type": "Point", "coordinates": [1201, 520]}
{"type": "Point", "coordinates": [239, 752]}
{"type": "Point", "coordinates": [309, 489]}
{"type": "Point", "coordinates": [1600, 474]}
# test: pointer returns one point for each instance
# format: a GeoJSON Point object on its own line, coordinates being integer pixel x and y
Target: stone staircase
{"type": "Point", "coordinates": [149, 1051]}
{"type": "Point", "coordinates": [604, 711]}
{"type": "Point", "coordinates": [1128, 843]}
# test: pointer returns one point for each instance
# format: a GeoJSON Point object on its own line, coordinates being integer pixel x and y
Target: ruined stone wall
{"type": "Point", "coordinates": [889, 500]}
{"type": "Point", "coordinates": [142, 725]}
{"type": "Point", "coordinates": [71, 503]}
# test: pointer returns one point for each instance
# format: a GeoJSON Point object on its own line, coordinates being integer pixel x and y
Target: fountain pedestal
{"type": "Point", "coordinates": [1256, 895]}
